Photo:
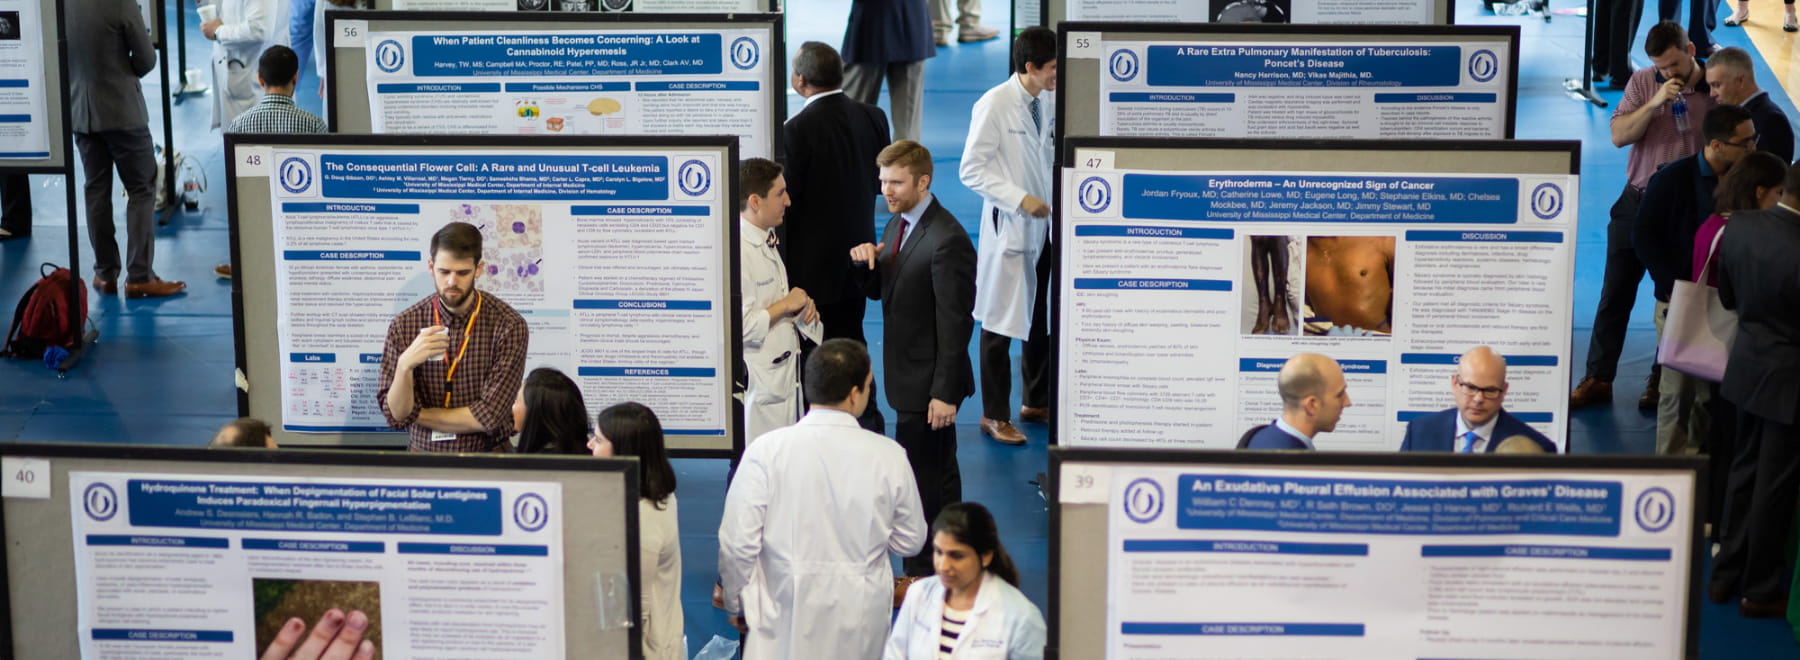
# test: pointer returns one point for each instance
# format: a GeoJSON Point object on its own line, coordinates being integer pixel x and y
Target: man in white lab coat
{"type": "Point", "coordinates": [774, 314]}
{"type": "Point", "coordinates": [1008, 160]}
{"type": "Point", "coordinates": [240, 31]}
{"type": "Point", "coordinates": [810, 520]}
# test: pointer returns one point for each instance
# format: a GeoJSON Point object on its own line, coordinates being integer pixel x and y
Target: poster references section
{"type": "Point", "coordinates": [623, 254]}
{"type": "Point", "coordinates": [1389, 12]}
{"type": "Point", "coordinates": [606, 6]}
{"type": "Point", "coordinates": [1184, 293]}
{"type": "Point", "coordinates": [173, 566]}
{"type": "Point", "coordinates": [1301, 565]}
{"type": "Point", "coordinates": [24, 117]}
{"type": "Point", "coordinates": [1334, 90]}
{"type": "Point", "coordinates": [586, 82]}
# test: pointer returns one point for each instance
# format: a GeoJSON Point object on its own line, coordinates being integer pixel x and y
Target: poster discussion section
{"type": "Point", "coordinates": [1380, 12]}
{"type": "Point", "coordinates": [618, 259]}
{"type": "Point", "coordinates": [1377, 82]}
{"type": "Point", "coordinates": [685, 76]}
{"type": "Point", "coordinates": [208, 566]}
{"type": "Point", "coordinates": [24, 114]}
{"type": "Point", "coordinates": [1184, 291]}
{"type": "Point", "coordinates": [1293, 563]}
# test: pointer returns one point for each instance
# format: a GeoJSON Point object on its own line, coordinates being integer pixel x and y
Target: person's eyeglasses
{"type": "Point", "coordinates": [1748, 143]}
{"type": "Point", "coordinates": [1489, 393]}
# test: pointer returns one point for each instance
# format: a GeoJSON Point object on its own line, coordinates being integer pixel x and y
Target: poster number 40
{"type": "Point", "coordinates": [26, 477]}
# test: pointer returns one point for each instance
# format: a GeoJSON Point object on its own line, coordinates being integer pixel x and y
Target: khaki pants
{"type": "Point", "coordinates": [1683, 419]}
{"type": "Point", "coordinates": [968, 16]}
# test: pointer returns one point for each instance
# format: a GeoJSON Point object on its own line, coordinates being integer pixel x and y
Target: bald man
{"type": "Point", "coordinates": [1478, 421]}
{"type": "Point", "coordinates": [1313, 396]}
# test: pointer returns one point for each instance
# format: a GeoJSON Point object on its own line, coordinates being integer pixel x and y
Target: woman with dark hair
{"type": "Point", "coordinates": [630, 429]}
{"type": "Point", "coordinates": [550, 415]}
{"type": "Point", "coordinates": [972, 603]}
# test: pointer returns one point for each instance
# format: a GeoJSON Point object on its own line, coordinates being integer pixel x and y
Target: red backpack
{"type": "Point", "coordinates": [43, 318]}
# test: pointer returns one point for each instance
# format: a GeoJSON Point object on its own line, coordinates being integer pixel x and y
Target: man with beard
{"type": "Point", "coordinates": [454, 361]}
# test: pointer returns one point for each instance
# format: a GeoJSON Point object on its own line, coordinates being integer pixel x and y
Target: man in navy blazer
{"type": "Point", "coordinates": [1313, 396]}
{"type": "Point", "coordinates": [1477, 424]}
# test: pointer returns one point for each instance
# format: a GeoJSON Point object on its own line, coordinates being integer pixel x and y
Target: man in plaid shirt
{"type": "Point", "coordinates": [278, 70]}
{"type": "Point", "coordinates": [453, 361]}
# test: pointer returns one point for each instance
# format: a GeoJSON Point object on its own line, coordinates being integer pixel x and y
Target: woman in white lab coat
{"type": "Point", "coordinates": [630, 429]}
{"type": "Point", "coordinates": [973, 606]}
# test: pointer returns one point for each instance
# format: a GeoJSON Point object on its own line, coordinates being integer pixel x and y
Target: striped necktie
{"type": "Point", "coordinates": [1037, 118]}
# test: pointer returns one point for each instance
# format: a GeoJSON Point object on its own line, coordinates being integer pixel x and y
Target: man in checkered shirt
{"type": "Point", "coordinates": [278, 70]}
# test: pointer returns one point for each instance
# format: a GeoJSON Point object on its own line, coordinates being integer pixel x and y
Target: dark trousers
{"type": "Point", "coordinates": [1720, 446]}
{"type": "Point", "coordinates": [1618, 290]}
{"type": "Point", "coordinates": [996, 358]}
{"type": "Point", "coordinates": [932, 454]}
{"type": "Point", "coordinates": [1615, 36]}
{"type": "Point", "coordinates": [15, 204]}
{"type": "Point", "coordinates": [1759, 509]}
{"type": "Point", "coordinates": [130, 152]}
{"type": "Point", "coordinates": [843, 319]}
{"type": "Point", "coordinates": [1702, 19]}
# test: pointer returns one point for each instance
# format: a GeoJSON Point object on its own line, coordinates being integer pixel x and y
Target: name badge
{"type": "Point", "coordinates": [441, 436]}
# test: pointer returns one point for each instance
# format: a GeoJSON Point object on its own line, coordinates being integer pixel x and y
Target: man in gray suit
{"type": "Point", "coordinates": [112, 127]}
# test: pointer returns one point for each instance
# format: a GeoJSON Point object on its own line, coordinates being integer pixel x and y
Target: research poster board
{"type": "Point", "coordinates": [1253, 555]}
{"type": "Point", "coordinates": [585, 74]}
{"type": "Point", "coordinates": [138, 552]}
{"type": "Point", "coordinates": [1288, 81]}
{"type": "Point", "coordinates": [1179, 259]}
{"type": "Point", "coordinates": [606, 6]}
{"type": "Point", "coordinates": [1368, 12]}
{"type": "Point", "coordinates": [30, 64]}
{"type": "Point", "coordinates": [618, 252]}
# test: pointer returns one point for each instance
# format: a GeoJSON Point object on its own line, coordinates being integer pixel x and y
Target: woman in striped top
{"type": "Point", "coordinates": [972, 609]}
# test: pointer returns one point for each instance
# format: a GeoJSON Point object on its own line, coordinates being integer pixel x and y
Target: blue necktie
{"type": "Point", "coordinates": [1037, 121]}
{"type": "Point", "coordinates": [1468, 442]}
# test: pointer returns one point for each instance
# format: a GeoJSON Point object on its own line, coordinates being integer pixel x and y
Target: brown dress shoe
{"type": "Point", "coordinates": [1589, 392]}
{"type": "Point", "coordinates": [1751, 609]}
{"type": "Point", "coordinates": [901, 584]}
{"type": "Point", "coordinates": [107, 287]}
{"type": "Point", "coordinates": [1003, 431]}
{"type": "Point", "coordinates": [1034, 415]}
{"type": "Point", "coordinates": [153, 289]}
{"type": "Point", "coordinates": [222, 270]}
{"type": "Point", "coordinates": [1652, 394]}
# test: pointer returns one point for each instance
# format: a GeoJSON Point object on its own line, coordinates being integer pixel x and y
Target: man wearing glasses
{"type": "Point", "coordinates": [1677, 200]}
{"type": "Point", "coordinates": [1477, 424]}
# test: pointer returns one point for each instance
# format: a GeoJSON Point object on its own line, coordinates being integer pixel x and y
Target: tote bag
{"type": "Point", "coordinates": [1698, 331]}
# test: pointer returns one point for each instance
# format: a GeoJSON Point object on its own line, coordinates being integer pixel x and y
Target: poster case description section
{"type": "Point", "coordinates": [24, 117]}
{"type": "Point", "coordinates": [1262, 564]}
{"type": "Point", "coordinates": [1393, 276]}
{"type": "Point", "coordinates": [1389, 12]}
{"type": "Point", "coordinates": [558, 232]}
{"type": "Point", "coordinates": [1359, 90]}
{"type": "Point", "coordinates": [588, 82]}
{"type": "Point", "coordinates": [197, 566]}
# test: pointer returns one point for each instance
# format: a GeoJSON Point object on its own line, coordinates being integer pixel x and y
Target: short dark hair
{"type": "Point", "coordinates": [755, 177]}
{"type": "Point", "coordinates": [1722, 121]}
{"type": "Point", "coordinates": [634, 430]}
{"type": "Point", "coordinates": [1737, 189]}
{"type": "Point", "coordinates": [461, 239]}
{"type": "Point", "coordinates": [834, 368]}
{"type": "Point", "coordinates": [818, 64]}
{"type": "Point", "coordinates": [251, 433]}
{"type": "Point", "coordinates": [555, 415]}
{"type": "Point", "coordinates": [278, 66]}
{"type": "Point", "coordinates": [1035, 46]}
{"type": "Point", "coordinates": [1663, 36]}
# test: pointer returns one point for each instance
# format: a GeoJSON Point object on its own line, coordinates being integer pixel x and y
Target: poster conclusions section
{"type": "Point", "coordinates": [24, 117]}
{"type": "Point", "coordinates": [175, 566]}
{"type": "Point", "coordinates": [574, 82]}
{"type": "Point", "coordinates": [1427, 90]}
{"type": "Point", "coordinates": [616, 260]}
{"type": "Point", "coordinates": [1296, 564]}
{"type": "Point", "coordinates": [1388, 12]}
{"type": "Point", "coordinates": [1184, 292]}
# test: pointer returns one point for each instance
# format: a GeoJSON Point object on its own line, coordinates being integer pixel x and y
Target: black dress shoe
{"type": "Point", "coordinates": [1719, 593]}
{"type": "Point", "coordinates": [1751, 609]}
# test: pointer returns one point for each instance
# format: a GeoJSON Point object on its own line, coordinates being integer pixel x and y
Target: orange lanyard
{"type": "Point", "coordinates": [438, 319]}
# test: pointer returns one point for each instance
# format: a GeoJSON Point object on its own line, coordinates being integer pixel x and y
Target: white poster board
{"type": "Point", "coordinates": [1393, 274]}
{"type": "Point", "coordinates": [170, 565]}
{"type": "Point", "coordinates": [609, 6]}
{"type": "Point", "coordinates": [24, 114]}
{"type": "Point", "coordinates": [1389, 12]}
{"type": "Point", "coordinates": [618, 260]}
{"type": "Point", "coordinates": [1261, 562]}
{"type": "Point", "coordinates": [578, 81]}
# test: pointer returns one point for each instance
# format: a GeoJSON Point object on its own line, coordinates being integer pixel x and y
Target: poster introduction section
{"type": "Point", "coordinates": [1379, 12]}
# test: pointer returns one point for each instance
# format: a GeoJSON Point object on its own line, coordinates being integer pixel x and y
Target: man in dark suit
{"type": "Point", "coordinates": [1478, 423]}
{"type": "Point", "coordinates": [889, 39]}
{"type": "Point", "coordinates": [1762, 378]}
{"type": "Point", "coordinates": [923, 272]}
{"type": "Point", "coordinates": [1733, 81]}
{"type": "Point", "coordinates": [831, 149]}
{"type": "Point", "coordinates": [1677, 200]}
{"type": "Point", "coordinates": [112, 127]}
{"type": "Point", "coordinates": [1313, 396]}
